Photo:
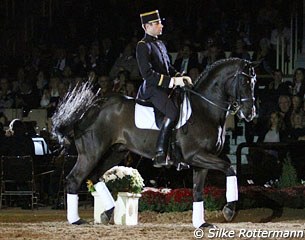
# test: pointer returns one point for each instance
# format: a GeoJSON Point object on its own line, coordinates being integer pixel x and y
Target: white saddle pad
{"type": "Point", "coordinates": [145, 117]}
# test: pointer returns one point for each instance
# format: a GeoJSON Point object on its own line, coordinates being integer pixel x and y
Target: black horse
{"type": "Point", "coordinates": [104, 130]}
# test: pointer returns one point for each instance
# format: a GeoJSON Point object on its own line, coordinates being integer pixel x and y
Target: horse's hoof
{"type": "Point", "coordinates": [207, 225]}
{"type": "Point", "coordinates": [80, 222]}
{"type": "Point", "coordinates": [106, 216]}
{"type": "Point", "coordinates": [228, 212]}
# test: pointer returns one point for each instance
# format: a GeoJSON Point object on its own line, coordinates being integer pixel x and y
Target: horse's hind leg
{"type": "Point", "coordinates": [199, 176]}
{"type": "Point", "coordinates": [74, 179]}
{"type": "Point", "coordinates": [77, 176]}
{"type": "Point", "coordinates": [231, 195]}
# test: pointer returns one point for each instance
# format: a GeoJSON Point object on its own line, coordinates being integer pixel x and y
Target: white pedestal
{"type": "Point", "coordinates": [98, 207]}
{"type": "Point", "coordinates": [126, 209]}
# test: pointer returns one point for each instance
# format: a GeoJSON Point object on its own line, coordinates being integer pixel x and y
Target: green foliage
{"type": "Point", "coordinates": [289, 175]}
{"type": "Point", "coordinates": [212, 204]}
{"type": "Point", "coordinates": [152, 201]}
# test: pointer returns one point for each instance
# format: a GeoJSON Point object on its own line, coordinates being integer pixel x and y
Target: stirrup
{"type": "Point", "coordinates": [160, 160]}
{"type": "Point", "coordinates": [182, 166]}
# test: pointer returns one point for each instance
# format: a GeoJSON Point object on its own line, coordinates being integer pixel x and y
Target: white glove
{"type": "Point", "coordinates": [180, 81]}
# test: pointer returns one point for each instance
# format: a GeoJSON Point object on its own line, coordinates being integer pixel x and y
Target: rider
{"type": "Point", "coordinates": [160, 77]}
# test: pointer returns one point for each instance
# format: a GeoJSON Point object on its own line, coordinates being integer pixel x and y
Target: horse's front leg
{"type": "Point", "coordinates": [231, 195]}
{"type": "Point", "coordinates": [199, 176]}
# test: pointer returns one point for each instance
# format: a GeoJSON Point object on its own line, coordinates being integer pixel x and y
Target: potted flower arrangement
{"type": "Point", "coordinates": [123, 179]}
{"type": "Point", "coordinates": [125, 185]}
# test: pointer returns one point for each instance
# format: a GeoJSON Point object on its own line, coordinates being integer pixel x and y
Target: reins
{"type": "Point", "coordinates": [234, 106]}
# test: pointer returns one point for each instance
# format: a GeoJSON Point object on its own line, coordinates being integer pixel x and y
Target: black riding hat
{"type": "Point", "coordinates": [150, 17]}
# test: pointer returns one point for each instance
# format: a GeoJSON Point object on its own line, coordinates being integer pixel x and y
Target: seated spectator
{"type": "Point", "coordinates": [6, 94]}
{"type": "Point", "coordinates": [131, 90]}
{"type": "Point", "coordinates": [212, 53]}
{"type": "Point", "coordinates": [94, 61]}
{"type": "Point", "coordinates": [66, 75]}
{"type": "Point", "coordinates": [276, 130]}
{"type": "Point", "coordinates": [298, 128]}
{"type": "Point", "coordinates": [245, 28]}
{"type": "Point", "coordinates": [278, 86]}
{"type": "Point", "coordinates": [79, 62]}
{"type": "Point", "coordinates": [51, 96]}
{"type": "Point", "coordinates": [284, 103]}
{"type": "Point", "coordinates": [27, 97]}
{"type": "Point", "coordinates": [240, 50]}
{"type": "Point", "coordinates": [104, 83]}
{"type": "Point", "coordinates": [266, 56]}
{"type": "Point", "coordinates": [297, 106]}
{"type": "Point", "coordinates": [45, 99]}
{"type": "Point", "coordinates": [3, 119]}
{"type": "Point", "coordinates": [17, 142]}
{"type": "Point", "coordinates": [126, 61]}
{"type": "Point", "coordinates": [42, 81]}
{"type": "Point", "coordinates": [280, 31]}
{"type": "Point", "coordinates": [269, 97]}
{"type": "Point", "coordinates": [62, 91]}
{"type": "Point", "coordinates": [186, 60]}
{"type": "Point", "coordinates": [299, 82]}
{"type": "Point", "coordinates": [119, 85]}
{"type": "Point", "coordinates": [109, 54]}
{"type": "Point", "coordinates": [60, 60]}
{"type": "Point", "coordinates": [267, 165]}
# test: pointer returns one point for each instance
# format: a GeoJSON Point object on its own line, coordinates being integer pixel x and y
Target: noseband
{"type": "Point", "coordinates": [233, 106]}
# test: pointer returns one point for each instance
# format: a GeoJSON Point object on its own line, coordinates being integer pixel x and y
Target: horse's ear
{"type": "Point", "coordinates": [255, 64]}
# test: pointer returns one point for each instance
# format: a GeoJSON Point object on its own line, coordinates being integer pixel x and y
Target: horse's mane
{"type": "Point", "coordinates": [75, 103]}
{"type": "Point", "coordinates": [211, 67]}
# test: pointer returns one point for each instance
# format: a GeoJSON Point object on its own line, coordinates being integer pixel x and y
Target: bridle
{"type": "Point", "coordinates": [233, 106]}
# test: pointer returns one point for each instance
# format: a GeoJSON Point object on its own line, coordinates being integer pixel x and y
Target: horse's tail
{"type": "Point", "coordinates": [73, 106]}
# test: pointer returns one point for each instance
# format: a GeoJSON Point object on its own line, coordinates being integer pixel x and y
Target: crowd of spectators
{"type": "Point", "coordinates": [101, 46]}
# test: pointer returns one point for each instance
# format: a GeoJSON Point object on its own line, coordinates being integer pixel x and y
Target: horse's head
{"type": "Point", "coordinates": [243, 91]}
{"type": "Point", "coordinates": [228, 85]}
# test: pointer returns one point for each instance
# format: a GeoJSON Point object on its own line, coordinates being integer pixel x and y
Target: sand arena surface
{"type": "Point", "coordinates": [52, 224]}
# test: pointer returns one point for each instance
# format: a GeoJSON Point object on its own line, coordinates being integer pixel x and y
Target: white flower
{"type": "Point", "coordinates": [120, 173]}
{"type": "Point", "coordinates": [111, 177]}
{"type": "Point", "coordinates": [165, 190]}
{"type": "Point", "coordinates": [114, 175]}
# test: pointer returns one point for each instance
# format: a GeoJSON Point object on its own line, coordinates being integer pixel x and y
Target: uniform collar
{"type": "Point", "coordinates": [151, 38]}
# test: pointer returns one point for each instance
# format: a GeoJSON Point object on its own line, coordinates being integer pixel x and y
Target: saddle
{"type": "Point", "coordinates": [148, 117]}
{"type": "Point", "coordinates": [158, 114]}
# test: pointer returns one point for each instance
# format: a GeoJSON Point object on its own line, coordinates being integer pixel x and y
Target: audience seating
{"type": "Point", "coordinates": [17, 179]}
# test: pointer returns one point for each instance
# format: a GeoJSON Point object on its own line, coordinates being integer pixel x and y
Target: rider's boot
{"type": "Point", "coordinates": [162, 143]}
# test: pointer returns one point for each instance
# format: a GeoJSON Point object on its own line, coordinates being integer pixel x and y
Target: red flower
{"type": "Point", "coordinates": [180, 195]}
{"type": "Point", "coordinates": [214, 192]}
{"type": "Point", "coordinates": [152, 197]}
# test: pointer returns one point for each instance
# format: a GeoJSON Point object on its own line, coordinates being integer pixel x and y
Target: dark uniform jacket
{"type": "Point", "coordinates": [156, 71]}
{"type": "Point", "coordinates": [154, 64]}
